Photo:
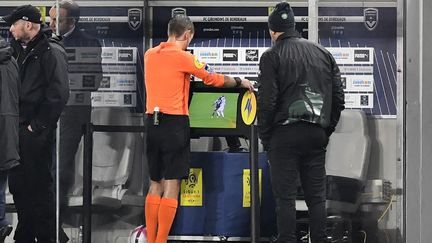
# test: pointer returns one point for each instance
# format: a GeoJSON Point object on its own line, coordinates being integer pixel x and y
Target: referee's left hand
{"type": "Point", "coordinates": [247, 84]}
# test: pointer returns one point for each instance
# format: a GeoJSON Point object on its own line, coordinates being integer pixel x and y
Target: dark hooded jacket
{"type": "Point", "coordinates": [9, 93]}
{"type": "Point", "coordinates": [299, 81]}
{"type": "Point", "coordinates": [44, 81]}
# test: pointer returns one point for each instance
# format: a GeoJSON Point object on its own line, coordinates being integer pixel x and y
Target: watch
{"type": "Point", "coordinates": [238, 81]}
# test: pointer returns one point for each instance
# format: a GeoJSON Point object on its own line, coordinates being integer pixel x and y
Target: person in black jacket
{"type": "Point", "coordinates": [300, 98]}
{"type": "Point", "coordinates": [9, 157]}
{"type": "Point", "coordinates": [44, 92]}
{"type": "Point", "coordinates": [78, 109]}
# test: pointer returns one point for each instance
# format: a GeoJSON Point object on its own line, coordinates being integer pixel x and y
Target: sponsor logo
{"type": "Point", "coordinates": [134, 18]}
{"type": "Point", "coordinates": [248, 108]}
{"type": "Point", "coordinates": [108, 55]}
{"type": "Point", "coordinates": [125, 55]}
{"type": "Point", "coordinates": [198, 64]}
{"type": "Point", "coordinates": [208, 55]}
{"type": "Point", "coordinates": [361, 55]}
{"type": "Point", "coordinates": [371, 18]}
{"type": "Point", "coordinates": [192, 179]}
{"type": "Point", "coordinates": [71, 54]}
{"type": "Point", "coordinates": [192, 188]}
{"type": "Point", "coordinates": [97, 98]}
{"type": "Point", "coordinates": [364, 100]}
{"type": "Point", "coordinates": [127, 99]}
{"type": "Point", "coordinates": [252, 55]}
{"type": "Point", "coordinates": [343, 81]}
{"type": "Point", "coordinates": [89, 81]}
{"type": "Point", "coordinates": [105, 82]}
{"type": "Point", "coordinates": [178, 11]}
{"type": "Point", "coordinates": [230, 55]}
{"type": "Point", "coordinates": [361, 83]}
{"type": "Point", "coordinates": [340, 55]}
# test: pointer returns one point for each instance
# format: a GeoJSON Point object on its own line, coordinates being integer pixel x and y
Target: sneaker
{"type": "Point", "coordinates": [5, 232]}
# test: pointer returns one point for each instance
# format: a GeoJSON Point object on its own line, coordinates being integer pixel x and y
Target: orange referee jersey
{"type": "Point", "coordinates": [167, 78]}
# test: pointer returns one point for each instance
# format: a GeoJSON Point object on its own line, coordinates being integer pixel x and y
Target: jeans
{"type": "Point", "coordinates": [295, 150]}
{"type": "Point", "coordinates": [3, 182]}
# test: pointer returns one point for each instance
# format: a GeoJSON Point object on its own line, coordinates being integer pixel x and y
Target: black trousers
{"type": "Point", "coordinates": [31, 185]}
{"type": "Point", "coordinates": [296, 150]}
{"type": "Point", "coordinates": [72, 121]}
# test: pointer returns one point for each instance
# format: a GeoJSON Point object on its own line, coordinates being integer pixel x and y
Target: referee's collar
{"type": "Point", "coordinates": [168, 44]}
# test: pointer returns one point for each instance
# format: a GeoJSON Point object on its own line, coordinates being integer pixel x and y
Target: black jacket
{"type": "Point", "coordinates": [79, 39]}
{"type": "Point", "coordinates": [299, 81]}
{"type": "Point", "coordinates": [44, 81]}
{"type": "Point", "coordinates": [9, 88]}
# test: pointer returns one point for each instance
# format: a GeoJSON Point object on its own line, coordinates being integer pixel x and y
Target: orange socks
{"type": "Point", "coordinates": [151, 216]}
{"type": "Point", "coordinates": [167, 211]}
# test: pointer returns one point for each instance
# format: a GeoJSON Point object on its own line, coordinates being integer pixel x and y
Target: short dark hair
{"type": "Point", "coordinates": [179, 24]}
{"type": "Point", "coordinates": [72, 9]}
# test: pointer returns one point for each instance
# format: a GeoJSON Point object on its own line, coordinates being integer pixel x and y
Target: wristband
{"type": "Point", "coordinates": [238, 81]}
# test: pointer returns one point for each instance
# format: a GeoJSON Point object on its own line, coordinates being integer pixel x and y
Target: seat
{"type": "Point", "coordinates": [117, 163]}
{"type": "Point", "coordinates": [347, 161]}
{"type": "Point", "coordinates": [202, 144]}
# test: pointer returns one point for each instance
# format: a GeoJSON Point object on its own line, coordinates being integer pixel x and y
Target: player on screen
{"type": "Point", "coordinates": [219, 106]}
{"type": "Point", "coordinates": [216, 105]}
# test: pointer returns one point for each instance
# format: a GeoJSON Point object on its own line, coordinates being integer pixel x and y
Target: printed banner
{"type": "Point", "coordinates": [353, 100]}
{"type": "Point", "coordinates": [246, 187]}
{"type": "Point", "coordinates": [362, 40]}
{"type": "Point", "coordinates": [191, 192]}
{"type": "Point", "coordinates": [111, 99]}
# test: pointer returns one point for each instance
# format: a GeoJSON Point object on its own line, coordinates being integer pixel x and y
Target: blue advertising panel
{"type": "Point", "coordinates": [120, 33]}
{"type": "Point", "coordinates": [362, 40]}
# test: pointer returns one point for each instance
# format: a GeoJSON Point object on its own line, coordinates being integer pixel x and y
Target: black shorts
{"type": "Point", "coordinates": [168, 147]}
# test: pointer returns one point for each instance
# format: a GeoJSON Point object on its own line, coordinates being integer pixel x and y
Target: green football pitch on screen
{"type": "Point", "coordinates": [207, 111]}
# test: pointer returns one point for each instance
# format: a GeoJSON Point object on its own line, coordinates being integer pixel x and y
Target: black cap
{"type": "Point", "coordinates": [24, 12]}
{"type": "Point", "coordinates": [282, 18]}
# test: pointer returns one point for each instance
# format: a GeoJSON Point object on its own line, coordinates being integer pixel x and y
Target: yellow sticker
{"type": "Point", "coordinates": [42, 10]}
{"type": "Point", "coordinates": [248, 107]}
{"type": "Point", "coordinates": [270, 10]}
{"type": "Point", "coordinates": [198, 64]}
{"type": "Point", "coordinates": [191, 192]}
{"type": "Point", "coordinates": [246, 187]}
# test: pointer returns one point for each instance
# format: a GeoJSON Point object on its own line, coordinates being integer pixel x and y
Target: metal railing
{"type": "Point", "coordinates": [89, 129]}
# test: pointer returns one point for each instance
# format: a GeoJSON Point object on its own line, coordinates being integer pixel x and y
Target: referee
{"type": "Point", "coordinates": [168, 68]}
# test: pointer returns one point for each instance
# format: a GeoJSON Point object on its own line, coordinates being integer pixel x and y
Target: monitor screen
{"type": "Point", "coordinates": [213, 110]}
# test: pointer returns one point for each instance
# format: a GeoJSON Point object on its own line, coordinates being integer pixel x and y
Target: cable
{"type": "Point", "coordinates": [386, 210]}
{"type": "Point", "coordinates": [365, 235]}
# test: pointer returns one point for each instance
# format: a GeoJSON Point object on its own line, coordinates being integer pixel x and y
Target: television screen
{"type": "Point", "coordinates": [213, 110]}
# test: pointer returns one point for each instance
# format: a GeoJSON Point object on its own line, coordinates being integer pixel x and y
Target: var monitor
{"type": "Point", "coordinates": [220, 111]}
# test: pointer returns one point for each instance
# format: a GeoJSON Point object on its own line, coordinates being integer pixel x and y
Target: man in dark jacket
{"type": "Point", "coordinates": [87, 77]}
{"type": "Point", "coordinates": [44, 92]}
{"type": "Point", "coordinates": [300, 99]}
{"type": "Point", "coordinates": [9, 157]}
